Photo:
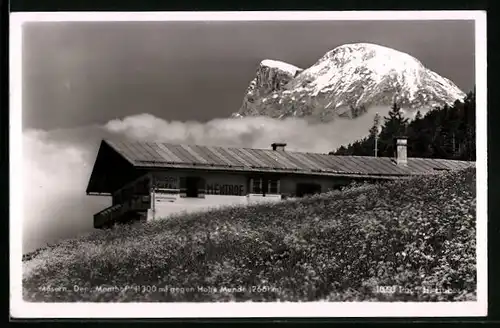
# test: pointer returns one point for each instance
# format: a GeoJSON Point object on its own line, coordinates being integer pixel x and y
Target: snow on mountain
{"type": "Point", "coordinates": [271, 77]}
{"type": "Point", "coordinates": [279, 65]}
{"type": "Point", "coordinates": [349, 76]}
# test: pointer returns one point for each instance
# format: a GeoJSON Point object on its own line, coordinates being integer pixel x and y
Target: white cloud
{"type": "Point", "coordinates": [257, 132]}
{"type": "Point", "coordinates": [55, 176]}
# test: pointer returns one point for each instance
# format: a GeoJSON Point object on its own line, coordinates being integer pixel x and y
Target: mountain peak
{"type": "Point", "coordinates": [277, 64]}
{"type": "Point", "coordinates": [359, 52]}
{"type": "Point", "coordinates": [350, 75]}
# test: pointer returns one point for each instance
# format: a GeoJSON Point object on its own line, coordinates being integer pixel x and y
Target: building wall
{"type": "Point", "coordinates": [288, 184]}
{"type": "Point", "coordinates": [218, 189]}
{"type": "Point", "coordinates": [164, 192]}
{"type": "Point", "coordinates": [216, 183]}
{"type": "Point", "coordinates": [165, 205]}
{"type": "Point", "coordinates": [221, 189]}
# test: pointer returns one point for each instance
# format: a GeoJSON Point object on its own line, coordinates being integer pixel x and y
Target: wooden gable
{"type": "Point", "coordinates": [111, 171]}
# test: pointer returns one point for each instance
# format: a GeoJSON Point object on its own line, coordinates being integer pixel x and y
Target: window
{"type": "Point", "coordinates": [304, 189]}
{"type": "Point", "coordinates": [274, 186]}
{"type": "Point", "coordinates": [264, 186]}
{"type": "Point", "coordinates": [192, 187]}
{"type": "Point", "coordinates": [256, 186]}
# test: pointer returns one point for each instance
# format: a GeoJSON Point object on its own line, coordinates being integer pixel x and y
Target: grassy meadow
{"type": "Point", "coordinates": [412, 240]}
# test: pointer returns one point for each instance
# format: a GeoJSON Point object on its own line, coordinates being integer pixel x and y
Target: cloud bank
{"type": "Point", "coordinates": [57, 163]}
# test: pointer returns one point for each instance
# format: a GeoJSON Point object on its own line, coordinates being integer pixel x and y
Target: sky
{"type": "Point", "coordinates": [179, 81]}
{"type": "Point", "coordinates": [79, 73]}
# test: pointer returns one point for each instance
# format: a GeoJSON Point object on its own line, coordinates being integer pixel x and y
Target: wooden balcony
{"type": "Point", "coordinates": [121, 212]}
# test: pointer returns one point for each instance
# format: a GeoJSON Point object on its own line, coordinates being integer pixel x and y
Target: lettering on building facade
{"type": "Point", "coordinates": [174, 184]}
{"type": "Point", "coordinates": [224, 189]}
{"type": "Point", "coordinates": [168, 183]}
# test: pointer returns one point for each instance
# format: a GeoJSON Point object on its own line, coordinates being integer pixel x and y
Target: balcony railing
{"type": "Point", "coordinates": [116, 212]}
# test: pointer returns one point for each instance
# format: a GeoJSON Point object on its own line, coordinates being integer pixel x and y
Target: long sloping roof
{"type": "Point", "coordinates": [165, 155]}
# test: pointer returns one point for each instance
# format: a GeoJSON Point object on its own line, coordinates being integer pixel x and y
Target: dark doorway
{"type": "Point", "coordinates": [192, 186]}
{"type": "Point", "coordinates": [304, 189]}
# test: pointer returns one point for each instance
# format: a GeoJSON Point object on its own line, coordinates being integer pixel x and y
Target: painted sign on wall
{"type": "Point", "coordinates": [225, 189]}
{"type": "Point", "coordinates": [168, 183]}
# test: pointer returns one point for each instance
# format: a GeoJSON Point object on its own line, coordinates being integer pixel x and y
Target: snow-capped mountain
{"type": "Point", "coordinates": [345, 79]}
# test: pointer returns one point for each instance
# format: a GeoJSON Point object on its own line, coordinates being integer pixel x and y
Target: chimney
{"type": "Point", "coordinates": [278, 146]}
{"type": "Point", "coordinates": [401, 154]}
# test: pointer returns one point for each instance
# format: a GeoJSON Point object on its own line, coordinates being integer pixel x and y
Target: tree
{"type": "Point", "coordinates": [375, 129]}
{"type": "Point", "coordinates": [469, 128]}
{"type": "Point", "coordinates": [341, 151]}
{"type": "Point", "coordinates": [418, 141]}
{"type": "Point", "coordinates": [374, 132]}
{"type": "Point", "coordinates": [448, 133]}
{"type": "Point", "coordinates": [395, 125]}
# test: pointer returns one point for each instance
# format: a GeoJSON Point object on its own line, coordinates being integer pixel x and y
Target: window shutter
{"type": "Point", "coordinates": [201, 188]}
{"type": "Point", "coordinates": [183, 187]}
{"type": "Point", "coordinates": [251, 186]}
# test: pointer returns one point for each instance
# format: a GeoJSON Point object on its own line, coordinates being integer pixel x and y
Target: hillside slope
{"type": "Point", "coordinates": [417, 235]}
{"type": "Point", "coordinates": [351, 75]}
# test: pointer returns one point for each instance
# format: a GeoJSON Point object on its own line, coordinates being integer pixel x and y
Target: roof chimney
{"type": "Point", "coordinates": [401, 154]}
{"type": "Point", "coordinates": [278, 146]}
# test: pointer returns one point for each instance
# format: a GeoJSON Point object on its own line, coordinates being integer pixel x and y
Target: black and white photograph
{"type": "Point", "coordinates": [247, 164]}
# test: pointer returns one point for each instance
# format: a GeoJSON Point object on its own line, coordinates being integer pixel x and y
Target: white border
{"type": "Point", "coordinates": [246, 16]}
{"type": "Point", "coordinates": [21, 309]}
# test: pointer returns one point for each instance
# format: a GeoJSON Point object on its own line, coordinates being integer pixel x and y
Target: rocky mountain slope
{"type": "Point", "coordinates": [346, 81]}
